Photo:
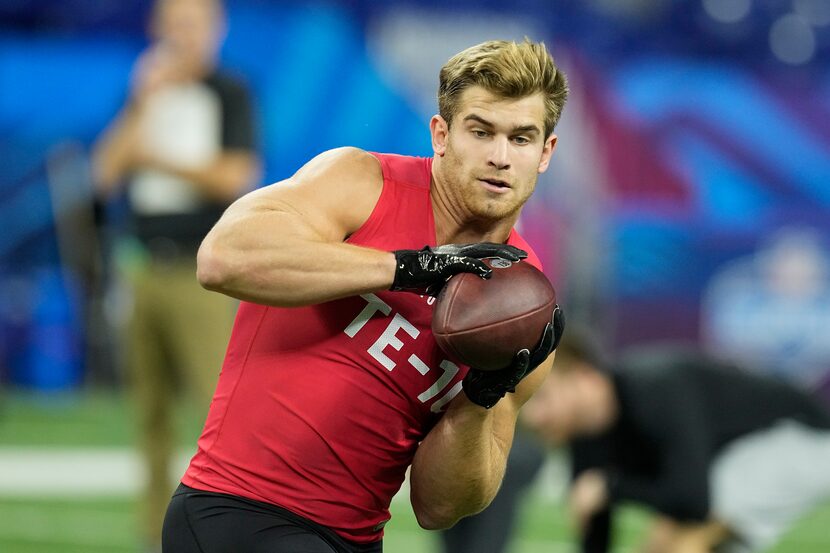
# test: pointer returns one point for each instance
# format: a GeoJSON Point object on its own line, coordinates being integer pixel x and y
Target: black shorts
{"type": "Point", "coordinates": [207, 522]}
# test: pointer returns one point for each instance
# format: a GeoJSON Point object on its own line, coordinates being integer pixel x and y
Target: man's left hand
{"type": "Point", "coordinates": [486, 388]}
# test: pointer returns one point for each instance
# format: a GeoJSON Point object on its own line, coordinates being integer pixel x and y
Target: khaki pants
{"type": "Point", "coordinates": [176, 342]}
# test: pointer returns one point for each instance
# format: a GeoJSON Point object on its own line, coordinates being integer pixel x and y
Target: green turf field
{"type": "Point", "coordinates": [46, 524]}
{"type": "Point", "coordinates": [96, 525]}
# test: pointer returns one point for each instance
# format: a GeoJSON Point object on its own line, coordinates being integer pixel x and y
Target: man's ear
{"type": "Point", "coordinates": [439, 129]}
{"type": "Point", "coordinates": [547, 152]}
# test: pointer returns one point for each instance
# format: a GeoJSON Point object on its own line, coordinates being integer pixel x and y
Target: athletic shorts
{"type": "Point", "coordinates": [207, 522]}
{"type": "Point", "coordinates": [762, 483]}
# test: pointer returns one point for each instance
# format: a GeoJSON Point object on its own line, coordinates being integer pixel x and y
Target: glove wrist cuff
{"type": "Point", "coordinates": [486, 400]}
{"type": "Point", "coordinates": [409, 270]}
{"type": "Point", "coordinates": [400, 266]}
{"type": "Point", "coordinates": [481, 388]}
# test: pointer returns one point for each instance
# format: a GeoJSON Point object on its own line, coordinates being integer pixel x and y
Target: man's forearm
{"type": "Point", "coordinates": [112, 155]}
{"type": "Point", "coordinates": [291, 273]}
{"type": "Point", "coordinates": [459, 466]}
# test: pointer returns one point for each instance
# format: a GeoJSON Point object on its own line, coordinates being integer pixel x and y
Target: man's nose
{"type": "Point", "coordinates": [498, 157]}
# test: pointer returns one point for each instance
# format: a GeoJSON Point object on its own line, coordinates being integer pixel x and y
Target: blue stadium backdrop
{"type": "Point", "coordinates": [688, 154]}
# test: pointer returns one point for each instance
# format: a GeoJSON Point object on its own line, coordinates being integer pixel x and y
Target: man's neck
{"type": "Point", "coordinates": [454, 226]}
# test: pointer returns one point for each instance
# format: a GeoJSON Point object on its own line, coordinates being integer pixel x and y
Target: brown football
{"type": "Point", "coordinates": [483, 323]}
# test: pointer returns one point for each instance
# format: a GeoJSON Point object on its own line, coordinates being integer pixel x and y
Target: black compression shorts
{"type": "Point", "coordinates": [207, 522]}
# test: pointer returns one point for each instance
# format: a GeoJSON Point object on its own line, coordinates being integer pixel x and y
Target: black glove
{"type": "Point", "coordinates": [486, 388]}
{"type": "Point", "coordinates": [426, 271]}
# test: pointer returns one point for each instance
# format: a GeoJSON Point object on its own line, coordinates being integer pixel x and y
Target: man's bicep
{"type": "Point", "coordinates": [329, 198]}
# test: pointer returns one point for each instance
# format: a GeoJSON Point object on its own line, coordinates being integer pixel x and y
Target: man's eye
{"type": "Point", "coordinates": [521, 140]}
{"type": "Point", "coordinates": [480, 133]}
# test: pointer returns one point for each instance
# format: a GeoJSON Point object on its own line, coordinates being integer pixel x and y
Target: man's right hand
{"type": "Point", "coordinates": [426, 271]}
{"type": "Point", "coordinates": [486, 388]}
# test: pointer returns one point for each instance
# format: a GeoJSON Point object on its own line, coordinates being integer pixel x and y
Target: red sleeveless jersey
{"type": "Point", "coordinates": [320, 409]}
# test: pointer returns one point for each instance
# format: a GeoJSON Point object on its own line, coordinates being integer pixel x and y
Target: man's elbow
{"type": "Point", "coordinates": [212, 269]}
{"type": "Point", "coordinates": [434, 516]}
{"type": "Point", "coordinates": [434, 519]}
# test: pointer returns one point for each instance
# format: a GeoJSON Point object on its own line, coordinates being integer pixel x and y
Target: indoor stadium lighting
{"type": "Point", "coordinates": [815, 12]}
{"type": "Point", "coordinates": [792, 40]}
{"type": "Point", "coordinates": [727, 11]}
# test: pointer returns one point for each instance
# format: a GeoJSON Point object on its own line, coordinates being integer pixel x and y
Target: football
{"type": "Point", "coordinates": [484, 323]}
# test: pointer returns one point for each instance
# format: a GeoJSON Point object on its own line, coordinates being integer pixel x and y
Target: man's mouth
{"type": "Point", "coordinates": [496, 183]}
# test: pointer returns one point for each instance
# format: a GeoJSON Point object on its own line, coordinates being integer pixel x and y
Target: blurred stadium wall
{"type": "Point", "coordinates": [697, 136]}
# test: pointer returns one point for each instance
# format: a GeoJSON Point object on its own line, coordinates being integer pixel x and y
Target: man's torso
{"type": "Point", "coordinates": [320, 409]}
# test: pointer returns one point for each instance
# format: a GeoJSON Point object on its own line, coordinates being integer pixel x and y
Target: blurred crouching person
{"type": "Point", "coordinates": [728, 460]}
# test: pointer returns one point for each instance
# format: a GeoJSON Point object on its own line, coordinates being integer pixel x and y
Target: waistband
{"type": "Point", "coordinates": [267, 508]}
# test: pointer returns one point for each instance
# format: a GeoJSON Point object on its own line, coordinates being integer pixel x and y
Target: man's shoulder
{"type": "Point", "coordinates": [347, 160]}
{"type": "Point", "coordinates": [412, 170]}
{"type": "Point", "coordinates": [343, 170]}
{"type": "Point", "coordinates": [516, 239]}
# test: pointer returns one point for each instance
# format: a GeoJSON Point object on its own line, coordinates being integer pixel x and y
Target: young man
{"type": "Point", "coordinates": [333, 384]}
{"type": "Point", "coordinates": [728, 459]}
{"type": "Point", "coordinates": [183, 145]}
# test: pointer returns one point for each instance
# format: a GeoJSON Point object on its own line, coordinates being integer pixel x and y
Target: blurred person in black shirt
{"type": "Point", "coordinates": [728, 460]}
{"type": "Point", "coordinates": [183, 147]}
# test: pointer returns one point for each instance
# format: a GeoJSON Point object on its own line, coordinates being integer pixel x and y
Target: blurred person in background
{"type": "Point", "coordinates": [729, 460]}
{"type": "Point", "coordinates": [183, 144]}
{"type": "Point", "coordinates": [783, 288]}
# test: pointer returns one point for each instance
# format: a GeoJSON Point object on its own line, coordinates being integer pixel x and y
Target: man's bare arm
{"type": "Point", "coordinates": [459, 466]}
{"type": "Point", "coordinates": [284, 244]}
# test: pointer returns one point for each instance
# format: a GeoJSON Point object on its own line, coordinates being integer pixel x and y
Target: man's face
{"type": "Point", "coordinates": [492, 153]}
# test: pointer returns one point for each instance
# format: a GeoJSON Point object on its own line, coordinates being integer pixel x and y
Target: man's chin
{"type": "Point", "coordinates": [495, 210]}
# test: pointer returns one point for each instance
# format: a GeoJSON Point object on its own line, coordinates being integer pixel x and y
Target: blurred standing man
{"type": "Point", "coordinates": [333, 383]}
{"type": "Point", "coordinates": [184, 145]}
{"type": "Point", "coordinates": [728, 459]}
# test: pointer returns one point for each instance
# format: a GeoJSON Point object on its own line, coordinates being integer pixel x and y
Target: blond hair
{"type": "Point", "coordinates": [508, 69]}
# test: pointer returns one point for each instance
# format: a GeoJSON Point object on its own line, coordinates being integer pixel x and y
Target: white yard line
{"type": "Point", "coordinates": [103, 472]}
{"type": "Point", "coordinates": [99, 472]}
